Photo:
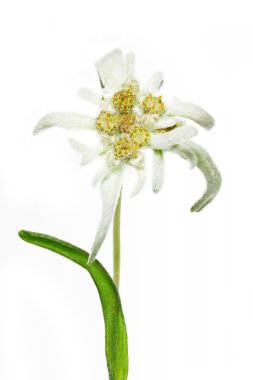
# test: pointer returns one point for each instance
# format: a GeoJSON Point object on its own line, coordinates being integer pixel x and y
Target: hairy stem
{"type": "Point", "coordinates": [116, 243]}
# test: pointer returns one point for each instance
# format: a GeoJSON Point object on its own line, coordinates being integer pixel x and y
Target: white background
{"type": "Point", "coordinates": [187, 279]}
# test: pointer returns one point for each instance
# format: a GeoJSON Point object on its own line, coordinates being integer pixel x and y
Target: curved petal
{"type": "Point", "coordinates": [176, 136]}
{"type": "Point", "coordinates": [211, 174]}
{"type": "Point", "coordinates": [140, 183]}
{"type": "Point", "coordinates": [130, 61]}
{"type": "Point", "coordinates": [185, 152]}
{"type": "Point", "coordinates": [110, 192]}
{"type": "Point", "coordinates": [67, 120]}
{"type": "Point", "coordinates": [191, 111]}
{"type": "Point", "coordinates": [90, 96]}
{"type": "Point", "coordinates": [89, 153]}
{"type": "Point", "coordinates": [155, 82]}
{"type": "Point", "coordinates": [158, 170]}
{"type": "Point", "coordinates": [112, 69]}
{"type": "Point", "coordinates": [166, 122]}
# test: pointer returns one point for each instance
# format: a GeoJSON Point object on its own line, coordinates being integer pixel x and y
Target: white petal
{"type": "Point", "coordinates": [90, 96]}
{"type": "Point", "coordinates": [112, 161]}
{"type": "Point", "coordinates": [185, 152]}
{"type": "Point", "coordinates": [158, 170]}
{"type": "Point", "coordinates": [130, 60]}
{"type": "Point", "coordinates": [89, 153]}
{"type": "Point", "coordinates": [191, 111]}
{"type": "Point", "coordinates": [155, 82]}
{"type": "Point", "coordinates": [112, 69]}
{"type": "Point", "coordinates": [140, 183]}
{"type": "Point", "coordinates": [176, 136]}
{"type": "Point", "coordinates": [101, 174]}
{"type": "Point", "coordinates": [211, 174]}
{"type": "Point", "coordinates": [166, 122]}
{"type": "Point", "coordinates": [138, 162]}
{"type": "Point", "coordinates": [110, 192]}
{"type": "Point", "coordinates": [68, 120]}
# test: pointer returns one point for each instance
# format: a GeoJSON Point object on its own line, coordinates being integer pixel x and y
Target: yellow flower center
{"type": "Point", "coordinates": [125, 129]}
{"type": "Point", "coordinates": [126, 123]}
{"type": "Point", "coordinates": [140, 136]}
{"type": "Point", "coordinates": [124, 148]}
{"type": "Point", "coordinates": [153, 104]}
{"type": "Point", "coordinates": [124, 100]}
{"type": "Point", "coordinates": [107, 123]}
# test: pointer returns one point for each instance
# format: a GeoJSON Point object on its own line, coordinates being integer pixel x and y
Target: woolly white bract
{"type": "Point", "coordinates": [129, 121]}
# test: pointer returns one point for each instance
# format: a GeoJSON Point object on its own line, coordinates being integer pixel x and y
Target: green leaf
{"type": "Point", "coordinates": [115, 328]}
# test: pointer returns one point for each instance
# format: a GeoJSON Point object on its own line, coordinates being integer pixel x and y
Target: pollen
{"type": "Point", "coordinates": [140, 136]}
{"type": "Point", "coordinates": [126, 123]}
{"type": "Point", "coordinates": [107, 123]}
{"type": "Point", "coordinates": [124, 100]}
{"type": "Point", "coordinates": [153, 104]}
{"type": "Point", "coordinates": [124, 148]}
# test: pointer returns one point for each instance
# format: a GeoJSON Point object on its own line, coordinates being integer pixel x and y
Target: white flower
{"type": "Point", "coordinates": [129, 121]}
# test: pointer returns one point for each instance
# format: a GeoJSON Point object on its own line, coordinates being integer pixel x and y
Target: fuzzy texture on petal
{"type": "Point", "coordinates": [191, 111]}
{"type": "Point", "coordinates": [89, 153]}
{"type": "Point", "coordinates": [185, 152]}
{"type": "Point", "coordinates": [67, 120]}
{"type": "Point", "coordinates": [102, 174]}
{"type": "Point", "coordinates": [211, 174]}
{"type": "Point", "coordinates": [176, 136]}
{"type": "Point", "coordinates": [110, 191]}
{"type": "Point", "coordinates": [158, 170]}
{"type": "Point", "coordinates": [130, 61]}
{"type": "Point", "coordinates": [112, 69]}
{"type": "Point", "coordinates": [155, 82]}
{"type": "Point", "coordinates": [140, 183]}
{"type": "Point", "coordinates": [90, 96]}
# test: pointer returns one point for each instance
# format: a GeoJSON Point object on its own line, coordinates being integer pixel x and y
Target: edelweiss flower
{"type": "Point", "coordinates": [129, 121]}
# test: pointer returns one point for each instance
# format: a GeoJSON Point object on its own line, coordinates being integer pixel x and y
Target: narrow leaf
{"type": "Point", "coordinates": [115, 329]}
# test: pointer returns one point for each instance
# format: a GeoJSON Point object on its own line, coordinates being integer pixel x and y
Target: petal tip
{"type": "Point", "coordinates": [210, 122]}
{"type": "Point", "coordinates": [111, 69]}
{"type": "Point", "coordinates": [156, 188]}
{"type": "Point", "coordinates": [35, 131]}
{"type": "Point", "coordinates": [40, 127]}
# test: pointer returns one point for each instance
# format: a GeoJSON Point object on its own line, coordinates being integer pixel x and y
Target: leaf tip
{"type": "Point", "coordinates": [21, 233]}
{"type": "Point", "coordinates": [24, 235]}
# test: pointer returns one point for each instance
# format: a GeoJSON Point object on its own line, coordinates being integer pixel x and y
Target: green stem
{"type": "Point", "coordinates": [116, 243]}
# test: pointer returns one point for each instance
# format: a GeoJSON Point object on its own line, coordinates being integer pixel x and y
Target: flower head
{"type": "Point", "coordinates": [130, 120]}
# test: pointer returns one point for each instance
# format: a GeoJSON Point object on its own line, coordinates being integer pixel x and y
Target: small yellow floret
{"type": "Point", "coordinates": [107, 122]}
{"type": "Point", "coordinates": [153, 104]}
{"type": "Point", "coordinates": [124, 148]}
{"type": "Point", "coordinates": [124, 101]}
{"type": "Point", "coordinates": [140, 136]}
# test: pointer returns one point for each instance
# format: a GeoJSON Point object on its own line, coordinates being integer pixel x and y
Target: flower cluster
{"type": "Point", "coordinates": [130, 120]}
